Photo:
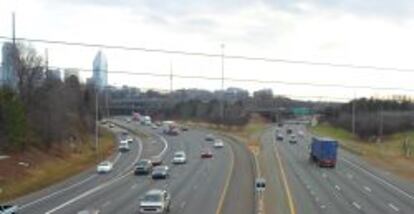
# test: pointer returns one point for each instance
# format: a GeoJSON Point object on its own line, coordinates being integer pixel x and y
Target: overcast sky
{"type": "Point", "coordinates": [363, 32]}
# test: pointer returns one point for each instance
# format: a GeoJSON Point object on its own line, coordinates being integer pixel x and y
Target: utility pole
{"type": "Point", "coordinates": [222, 82]}
{"type": "Point", "coordinates": [96, 123]}
{"type": "Point", "coordinates": [353, 117]}
{"type": "Point", "coordinates": [14, 29]}
{"type": "Point", "coordinates": [46, 60]}
{"type": "Point", "coordinates": [171, 78]}
{"type": "Point", "coordinates": [381, 125]}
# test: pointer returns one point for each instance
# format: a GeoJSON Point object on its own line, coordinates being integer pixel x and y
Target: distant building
{"type": "Point", "coordinates": [9, 74]}
{"type": "Point", "coordinates": [54, 74]}
{"type": "Point", "coordinates": [71, 72]}
{"type": "Point", "coordinates": [100, 70]}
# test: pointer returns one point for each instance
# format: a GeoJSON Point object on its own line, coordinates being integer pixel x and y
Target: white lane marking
{"type": "Point", "coordinates": [323, 206]}
{"type": "Point", "coordinates": [108, 183]}
{"type": "Point", "coordinates": [117, 158]}
{"type": "Point", "coordinates": [324, 175]}
{"type": "Point", "coordinates": [57, 192]}
{"type": "Point", "coordinates": [182, 205]}
{"type": "Point", "coordinates": [349, 175]}
{"type": "Point", "coordinates": [89, 192]}
{"type": "Point", "coordinates": [367, 189]}
{"type": "Point", "coordinates": [380, 180]}
{"type": "Point", "coordinates": [396, 209]}
{"type": "Point", "coordinates": [106, 204]}
{"type": "Point", "coordinates": [134, 186]}
{"type": "Point", "coordinates": [356, 205]}
{"type": "Point", "coordinates": [164, 141]}
{"type": "Point", "coordinates": [317, 199]}
{"type": "Point", "coordinates": [337, 188]}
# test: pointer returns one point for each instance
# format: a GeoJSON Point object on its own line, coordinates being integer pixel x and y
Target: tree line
{"type": "Point", "coordinates": [373, 118]}
{"type": "Point", "coordinates": [43, 111]}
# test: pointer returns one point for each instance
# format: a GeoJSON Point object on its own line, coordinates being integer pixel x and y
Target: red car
{"type": "Point", "coordinates": [206, 153]}
{"type": "Point", "coordinates": [156, 161]}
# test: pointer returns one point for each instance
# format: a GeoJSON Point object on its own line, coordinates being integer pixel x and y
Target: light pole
{"type": "Point", "coordinates": [222, 82]}
{"type": "Point", "coordinates": [96, 123]}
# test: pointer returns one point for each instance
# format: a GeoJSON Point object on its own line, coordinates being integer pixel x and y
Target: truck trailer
{"type": "Point", "coordinates": [324, 151]}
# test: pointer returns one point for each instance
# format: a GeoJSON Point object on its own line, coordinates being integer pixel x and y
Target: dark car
{"type": "Point", "coordinates": [160, 172]}
{"type": "Point", "coordinates": [279, 137]}
{"type": "Point", "coordinates": [206, 153]}
{"type": "Point", "coordinates": [143, 167]}
{"type": "Point", "coordinates": [209, 137]}
{"type": "Point", "coordinates": [156, 161]}
{"type": "Point", "coordinates": [184, 128]}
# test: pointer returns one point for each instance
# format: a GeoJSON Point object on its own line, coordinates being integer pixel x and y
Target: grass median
{"type": "Point", "coordinates": [47, 168]}
{"type": "Point", "coordinates": [391, 154]}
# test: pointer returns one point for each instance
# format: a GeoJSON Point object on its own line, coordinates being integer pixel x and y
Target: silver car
{"type": "Point", "coordinates": [155, 201]}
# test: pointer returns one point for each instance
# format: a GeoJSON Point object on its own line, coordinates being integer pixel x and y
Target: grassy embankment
{"type": "Point", "coordinates": [46, 168]}
{"type": "Point", "coordinates": [390, 154]}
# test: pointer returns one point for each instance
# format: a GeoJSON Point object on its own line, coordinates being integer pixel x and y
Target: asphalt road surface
{"type": "Point", "coordinates": [199, 186]}
{"type": "Point", "coordinates": [353, 186]}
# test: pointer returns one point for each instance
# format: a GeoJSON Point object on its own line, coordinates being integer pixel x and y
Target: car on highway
{"type": "Point", "coordinates": [279, 137]}
{"type": "Point", "coordinates": [206, 153]}
{"type": "Point", "coordinates": [301, 134]}
{"type": "Point", "coordinates": [289, 131]}
{"type": "Point", "coordinates": [293, 139]}
{"type": "Point", "coordinates": [104, 167]}
{"type": "Point", "coordinates": [155, 201]}
{"type": "Point", "coordinates": [8, 209]}
{"type": "Point", "coordinates": [218, 143]}
{"type": "Point", "coordinates": [179, 158]}
{"type": "Point", "coordinates": [160, 172]}
{"type": "Point", "coordinates": [111, 125]}
{"type": "Point", "coordinates": [156, 161]}
{"type": "Point", "coordinates": [123, 146]}
{"type": "Point", "coordinates": [130, 140]}
{"type": "Point", "coordinates": [153, 126]}
{"type": "Point", "coordinates": [143, 167]}
{"type": "Point", "coordinates": [209, 137]}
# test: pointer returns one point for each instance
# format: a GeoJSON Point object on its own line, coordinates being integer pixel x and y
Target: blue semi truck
{"type": "Point", "coordinates": [324, 151]}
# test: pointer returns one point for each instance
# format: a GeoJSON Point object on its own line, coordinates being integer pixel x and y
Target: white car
{"type": "Point", "coordinates": [129, 140]}
{"type": "Point", "coordinates": [179, 157]}
{"type": "Point", "coordinates": [123, 146]}
{"type": "Point", "coordinates": [218, 143]}
{"type": "Point", "coordinates": [104, 167]}
{"type": "Point", "coordinates": [155, 201]}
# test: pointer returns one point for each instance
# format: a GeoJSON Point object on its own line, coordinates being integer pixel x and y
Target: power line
{"type": "Point", "coordinates": [189, 53]}
{"type": "Point", "coordinates": [326, 85]}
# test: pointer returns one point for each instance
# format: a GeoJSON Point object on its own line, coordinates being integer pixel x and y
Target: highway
{"type": "Point", "coordinates": [199, 186]}
{"type": "Point", "coordinates": [296, 185]}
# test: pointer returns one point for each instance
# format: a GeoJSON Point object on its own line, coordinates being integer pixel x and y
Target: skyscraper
{"type": "Point", "coordinates": [9, 75]}
{"type": "Point", "coordinates": [100, 70]}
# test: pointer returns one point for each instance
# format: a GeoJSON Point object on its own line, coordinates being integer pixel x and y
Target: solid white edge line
{"type": "Point", "coordinates": [55, 193]}
{"type": "Point", "coordinates": [380, 179]}
{"type": "Point", "coordinates": [164, 141]}
{"type": "Point", "coordinates": [367, 189]}
{"type": "Point", "coordinates": [108, 183]}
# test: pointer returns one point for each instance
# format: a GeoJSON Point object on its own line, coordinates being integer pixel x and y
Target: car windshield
{"type": "Point", "coordinates": [152, 198]}
{"type": "Point", "coordinates": [179, 155]}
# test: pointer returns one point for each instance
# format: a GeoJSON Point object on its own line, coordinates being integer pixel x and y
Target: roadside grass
{"type": "Point", "coordinates": [53, 169]}
{"type": "Point", "coordinates": [390, 154]}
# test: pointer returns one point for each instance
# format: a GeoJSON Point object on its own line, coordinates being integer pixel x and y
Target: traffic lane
{"type": "Point", "coordinates": [342, 197]}
{"type": "Point", "coordinates": [55, 195]}
{"type": "Point", "coordinates": [276, 200]}
{"type": "Point", "coordinates": [202, 192]}
{"type": "Point", "coordinates": [354, 193]}
{"type": "Point", "coordinates": [240, 196]}
{"type": "Point", "coordinates": [179, 176]}
{"type": "Point", "coordinates": [391, 199]}
{"type": "Point", "coordinates": [110, 198]}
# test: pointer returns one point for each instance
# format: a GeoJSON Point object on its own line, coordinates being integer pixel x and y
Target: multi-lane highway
{"type": "Point", "coordinates": [295, 185]}
{"type": "Point", "coordinates": [199, 186]}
